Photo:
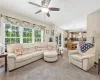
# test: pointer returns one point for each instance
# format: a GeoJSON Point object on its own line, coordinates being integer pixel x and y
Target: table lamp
{"type": "Point", "coordinates": [93, 35]}
{"type": "Point", "coordinates": [1, 48]}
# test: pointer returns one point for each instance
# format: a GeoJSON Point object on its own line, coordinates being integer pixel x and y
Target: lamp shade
{"type": "Point", "coordinates": [1, 47]}
{"type": "Point", "coordinates": [93, 34]}
{"type": "Point", "coordinates": [1, 44]}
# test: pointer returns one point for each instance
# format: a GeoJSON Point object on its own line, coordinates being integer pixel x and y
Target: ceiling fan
{"type": "Point", "coordinates": [44, 7]}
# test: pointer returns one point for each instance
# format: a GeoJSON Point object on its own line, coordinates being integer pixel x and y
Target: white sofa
{"type": "Point", "coordinates": [84, 62]}
{"type": "Point", "coordinates": [30, 54]}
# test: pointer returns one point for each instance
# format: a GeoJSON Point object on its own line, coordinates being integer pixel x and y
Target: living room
{"type": "Point", "coordinates": [47, 39]}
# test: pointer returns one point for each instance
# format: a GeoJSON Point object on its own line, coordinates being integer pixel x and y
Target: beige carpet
{"type": "Point", "coordinates": [60, 70]}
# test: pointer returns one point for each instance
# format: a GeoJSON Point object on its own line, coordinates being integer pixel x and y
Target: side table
{"type": "Point", "coordinates": [98, 65]}
{"type": "Point", "coordinates": [60, 51]}
{"type": "Point", "coordinates": [3, 55]}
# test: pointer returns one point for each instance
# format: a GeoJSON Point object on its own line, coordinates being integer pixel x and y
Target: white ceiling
{"type": "Point", "coordinates": [72, 14]}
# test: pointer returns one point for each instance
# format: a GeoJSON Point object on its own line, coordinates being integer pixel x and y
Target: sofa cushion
{"type": "Point", "coordinates": [24, 57]}
{"type": "Point", "coordinates": [41, 46]}
{"type": "Point", "coordinates": [45, 50]}
{"type": "Point", "coordinates": [77, 57]}
{"type": "Point", "coordinates": [28, 48]}
{"type": "Point", "coordinates": [37, 53]}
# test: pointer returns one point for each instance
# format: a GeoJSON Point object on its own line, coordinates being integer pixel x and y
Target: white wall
{"type": "Point", "coordinates": [79, 24]}
{"type": "Point", "coordinates": [93, 25]}
{"type": "Point", "coordinates": [57, 31]}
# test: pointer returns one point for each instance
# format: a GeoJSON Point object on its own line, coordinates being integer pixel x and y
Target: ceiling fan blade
{"type": "Point", "coordinates": [38, 12]}
{"type": "Point", "coordinates": [48, 14]}
{"type": "Point", "coordinates": [43, 2]}
{"type": "Point", "coordinates": [48, 2]}
{"type": "Point", "coordinates": [34, 4]}
{"type": "Point", "coordinates": [54, 9]}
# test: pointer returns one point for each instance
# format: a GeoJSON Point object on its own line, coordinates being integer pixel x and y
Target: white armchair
{"type": "Point", "coordinates": [84, 62]}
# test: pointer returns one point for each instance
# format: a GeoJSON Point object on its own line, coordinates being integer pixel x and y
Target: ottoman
{"type": "Point", "coordinates": [51, 56]}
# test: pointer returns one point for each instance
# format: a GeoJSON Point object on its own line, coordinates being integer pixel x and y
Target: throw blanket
{"type": "Point", "coordinates": [85, 46]}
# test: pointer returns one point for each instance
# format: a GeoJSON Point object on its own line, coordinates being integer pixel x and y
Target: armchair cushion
{"type": "Point", "coordinates": [77, 57]}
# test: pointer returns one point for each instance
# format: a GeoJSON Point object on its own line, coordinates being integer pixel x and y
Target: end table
{"type": "Point", "coordinates": [99, 65]}
{"type": "Point", "coordinates": [60, 51]}
{"type": "Point", "coordinates": [4, 55]}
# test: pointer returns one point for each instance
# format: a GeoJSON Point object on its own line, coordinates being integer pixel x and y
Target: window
{"type": "Point", "coordinates": [37, 34]}
{"type": "Point", "coordinates": [16, 34]}
{"type": "Point", "coordinates": [27, 35]}
{"type": "Point", "coordinates": [12, 34]}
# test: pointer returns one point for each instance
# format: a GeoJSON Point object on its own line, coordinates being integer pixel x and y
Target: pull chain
{"type": "Point", "coordinates": [44, 16]}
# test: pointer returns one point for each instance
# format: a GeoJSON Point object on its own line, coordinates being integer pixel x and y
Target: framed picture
{"type": "Point", "coordinates": [52, 32]}
{"type": "Point", "coordinates": [47, 31]}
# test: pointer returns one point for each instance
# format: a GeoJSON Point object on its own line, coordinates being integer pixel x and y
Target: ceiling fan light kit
{"type": "Point", "coordinates": [45, 10]}
{"type": "Point", "coordinates": [44, 7]}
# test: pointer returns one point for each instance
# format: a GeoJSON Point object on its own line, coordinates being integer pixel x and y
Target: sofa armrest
{"type": "Point", "coordinates": [88, 56]}
{"type": "Point", "coordinates": [72, 51]}
{"type": "Point", "coordinates": [11, 61]}
{"type": "Point", "coordinates": [88, 62]}
{"type": "Point", "coordinates": [11, 55]}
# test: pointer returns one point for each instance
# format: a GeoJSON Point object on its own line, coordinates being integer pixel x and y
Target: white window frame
{"type": "Point", "coordinates": [27, 37]}
{"type": "Point", "coordinates": [21, 34]}
{"type": "Point", "coordinates": [10, 35]}
{"type": "Point", "coordinates": [41, 35]}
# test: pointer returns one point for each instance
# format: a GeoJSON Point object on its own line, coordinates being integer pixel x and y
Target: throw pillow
{"type": "Point", "coordinates": [19, 51]}
{"type": "Point", "coordinates": [37, 48]}
{"type": "Point", "coordinates": [50, 47]}
{"type": "Point", "coordinates": [84, 48]}
{"type": "Point", "coordinates": [81, 43]}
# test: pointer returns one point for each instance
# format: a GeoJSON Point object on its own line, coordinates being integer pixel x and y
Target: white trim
{"type": "Point", "coordinates": [33, 36]}
{"type": "Point", "coordinates": [42, 36]}
{"type": "Point", "coordinates": [21, 34]}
